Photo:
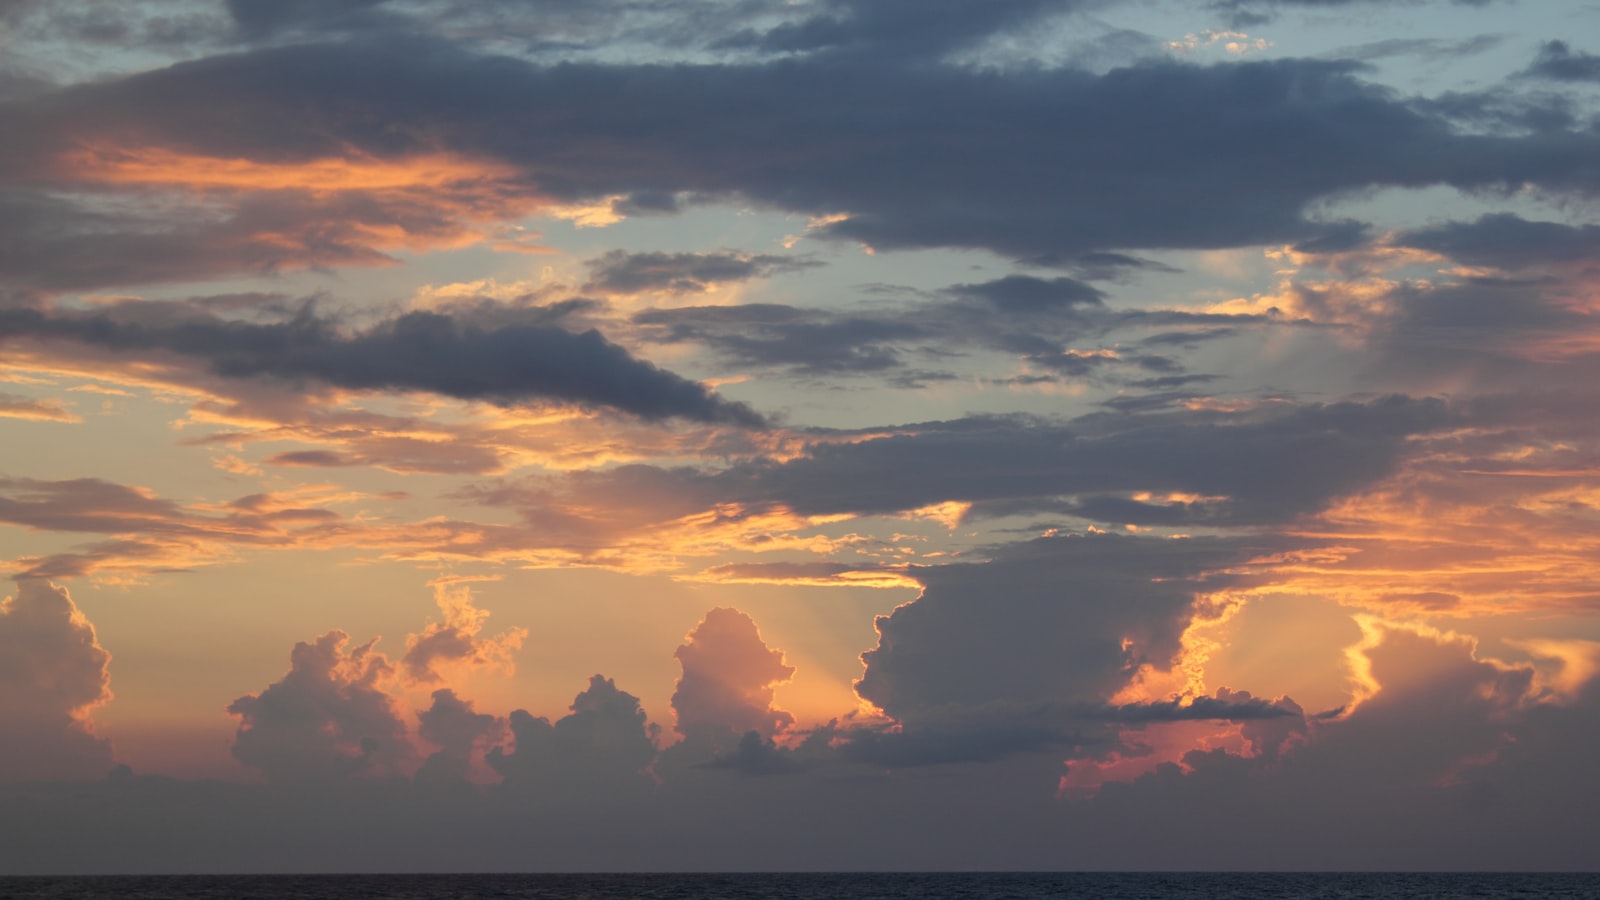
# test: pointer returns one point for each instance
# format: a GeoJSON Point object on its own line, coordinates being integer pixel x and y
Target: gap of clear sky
{"type": "Point", "coordinates": [799, 434]}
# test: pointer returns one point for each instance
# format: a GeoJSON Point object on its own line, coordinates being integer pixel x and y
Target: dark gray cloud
{"type": "Point", "coordinates": [1557, 61]}
{"type": "Point", "coordinates": [1000, 729]}
{"type": "Point", "coordinates": [810, 341]}
{"type": "Point", "coordinates": [1245, 13]}
{"type": "Point", "coordinates": [1185, 467]}
{"type": "Point", "coordinates": [1260, 461]}
{"type": "Point", "coordinates": [1025, 295]}
{"type": "Point", "coordinates": [1050, 163]}
{"type": "Point", "coordinates": [1035, 319]}
{"type": "Point", "coordinates": [1508, 241]}
{"type": "Point", "coordinates": [257, 19]}
{"type": "Point", "coordinates": [909, 28]}
{"type": "Point", "coordinates": [416, 351]}
{"type": "Point", "coordinates": [621, 272]}
{"type": "Point", "coordinates": [1056, 620]}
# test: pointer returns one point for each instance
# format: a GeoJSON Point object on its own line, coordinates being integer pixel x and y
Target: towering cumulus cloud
{"type": "Point", "coordinates": [329, 718]}
{"type": "Point", "coordinates": [53, 673]}
{"type": "Point", "coordinates": [1061, 619]}
{"type": "Point", "coordinates": [726, 689]}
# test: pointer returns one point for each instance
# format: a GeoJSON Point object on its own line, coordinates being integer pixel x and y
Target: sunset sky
{"type": "Point", "coordinates": [799, 434]}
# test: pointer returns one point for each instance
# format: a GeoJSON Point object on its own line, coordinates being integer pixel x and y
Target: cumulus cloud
{"type": "Point", "coordinates": [329, 718]}
{"type": "Point", "coordinates": [460, 732]}
{"type": "Point", "coordinates": [726, 688]}
{"type": "Point", "coordinates": [53, 674]}
{"type": "Point", "coordinates": [1448, 742]}
{"type": "Point", "coordinates": [454, 640]}
{"type": "Point", "coordinates": [1058, 620]}
{"type": "Point", "coordinates": [601, 749]}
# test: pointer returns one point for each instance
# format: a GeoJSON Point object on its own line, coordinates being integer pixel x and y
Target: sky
{"type": "Point", "coordinates": [799, 435]}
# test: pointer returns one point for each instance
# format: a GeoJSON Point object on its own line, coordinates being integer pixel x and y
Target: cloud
{"type": "Point", "coordinates": [1427, 49]}
{"type": "Point", "coordinates": [726, 688]}
{"type": "Point", "coordinates": [329, 718]}
{"type": "Point", "coordinates": [1035, 320]}
{"type": "Point", "coordinates": [15, 407]}
{"type": "Point", "coordinates": [621, 272]}
{"type": "Point", "coordinates": [600, 749]}
{"type": "Point", "coordinates": [1508, 241]}
{"type": "Point", "coordinates": [453, 641]}
{"type": "Point", "coordinates": [765, 335]}
{"type": "Point", "coordinates": [53, 674]}
{"type": "Point", "coordinates": [423, 351]}
{"type": "Point", "coordinates": [1057, 182]}
{"type": "Point", "coordinates": [1446, 743]}
{"type": "Point", "coordinates": [1058, 620]}
{"type": "Point", "coordinates": [461, 733]}
{"type": "Point", "coordinates": [266, 18]}
{"type": "Point", "coordinates": [1557, 61]}
{"type": "Point", "coordinates": [898, 28]}
{"type": "Point", "coordinates": [1256, 459]}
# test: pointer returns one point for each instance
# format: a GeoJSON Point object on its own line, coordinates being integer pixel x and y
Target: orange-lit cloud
{"type": "Point", "coordinates": [15, 407]}
{"type": "Point", "coordinates": [53, 675]}
{"type": "Point", "coordinates": [726, 688]}
{"type": "Point", "coordinates": [352, 171]}
{"type": "Point", "coordinates": [454, 642]}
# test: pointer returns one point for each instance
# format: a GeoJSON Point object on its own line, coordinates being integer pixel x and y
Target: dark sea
{"type": "Point", "coordinates": [921, 886]}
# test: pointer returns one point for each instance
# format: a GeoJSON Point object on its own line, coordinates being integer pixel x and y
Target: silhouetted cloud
{"type": "Point", "coordinates": [1508, 241]}
{"type": "Point", "coordinates": [600, 749]}
{"type": "Point", "coordinates": [423, 351]}
{"type": "Point", "coordinates": [1256, 460]}
{"type": "Point", "coordinates": [1062, 620]}
{"type": "Point", "coordinates": [1058, 181]}
{"type": "Point", "coordinates": [460, 732]}
{"type": "Point", "coordinates": [328, 718]}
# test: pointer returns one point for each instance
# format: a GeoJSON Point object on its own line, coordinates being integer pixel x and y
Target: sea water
{"type": "Point", "coordinates": [874, 886]}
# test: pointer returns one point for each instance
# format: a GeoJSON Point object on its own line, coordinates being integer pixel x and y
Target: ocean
{"type": "Point", "coordinates": [875, 886]}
